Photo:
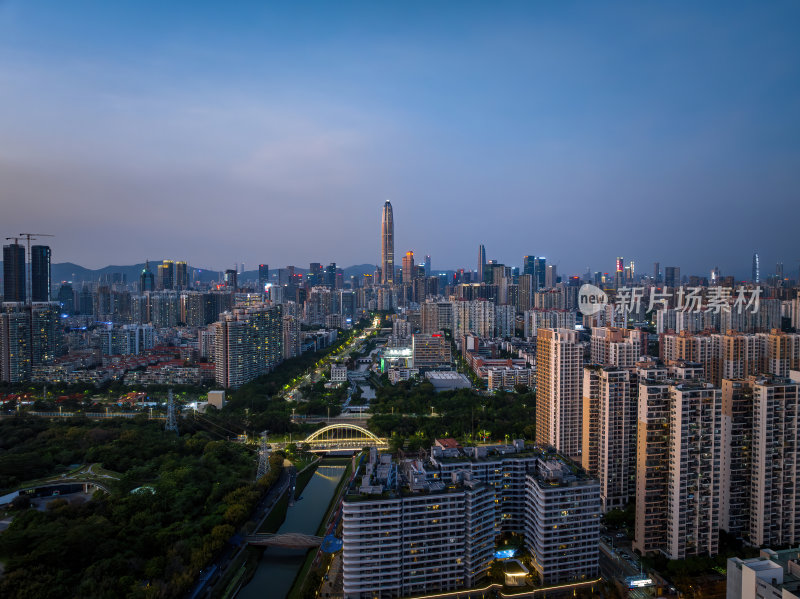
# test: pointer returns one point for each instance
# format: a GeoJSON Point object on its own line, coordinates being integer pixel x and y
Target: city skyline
{"type": "Point", "coordinates": [780, 268]}
{"type": "Point", "coordinates": [258, 284]}
{"type": "Point", "coordinates": [563, 131]}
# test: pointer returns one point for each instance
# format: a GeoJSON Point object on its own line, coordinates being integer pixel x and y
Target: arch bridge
{"type": "Point", "coordinates": [343, 437]}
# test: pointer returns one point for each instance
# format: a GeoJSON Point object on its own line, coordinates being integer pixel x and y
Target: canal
{"type": "Point", "coordinates": [278, 567]}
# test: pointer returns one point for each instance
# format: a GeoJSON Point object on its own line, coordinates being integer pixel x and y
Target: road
{"type": "Point", "coordinates": [286, 481]}
{"type": "Point", "coordinates": [292, 392]}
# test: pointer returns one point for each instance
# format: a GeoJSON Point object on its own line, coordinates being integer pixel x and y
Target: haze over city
{"type": "Point", "coordinates": [274, 133]}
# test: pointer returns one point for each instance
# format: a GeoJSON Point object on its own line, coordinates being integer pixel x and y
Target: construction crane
{"type": "Point", "coordinates": [29, 269]}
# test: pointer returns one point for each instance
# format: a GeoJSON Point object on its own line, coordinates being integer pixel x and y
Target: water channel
{"type": "Point", "coordinates": [278, 567]}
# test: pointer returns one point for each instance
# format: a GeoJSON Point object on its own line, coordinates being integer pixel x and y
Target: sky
{"type": "Point", "coordinates": [223, 133]}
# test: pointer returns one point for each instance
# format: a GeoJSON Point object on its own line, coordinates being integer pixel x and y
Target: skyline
{"type": "Point", "coordinates": [386, 251]}
{"type": "Point", "coordinates": [566, 131]}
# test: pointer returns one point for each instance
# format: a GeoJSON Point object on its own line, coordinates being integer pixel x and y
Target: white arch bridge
{"type": "Point", "coordinates": [343, 437]}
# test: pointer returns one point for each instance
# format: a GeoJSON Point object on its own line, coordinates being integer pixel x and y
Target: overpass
{"type": "Point", "coordinates": [343, 438]}
{"type": "Point", "coordinates": [359, 419]}
{"type": "Point", "coordinates": [289, 540]}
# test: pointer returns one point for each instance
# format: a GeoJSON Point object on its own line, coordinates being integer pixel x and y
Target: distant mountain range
{"type": "Point", "coordinates": [68, 271]}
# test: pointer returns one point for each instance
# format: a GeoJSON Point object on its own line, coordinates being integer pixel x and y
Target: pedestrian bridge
{"type": "Point", "coordinates": [289, 540]}
{"type": "Point", "coordinates": [343, 437]}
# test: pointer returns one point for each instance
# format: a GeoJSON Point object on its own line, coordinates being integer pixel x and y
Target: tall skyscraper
{"type": "Point", "coordinates": [551, 276]}
{"type": "Point", "coordinates": [181, 275]}
{"type": "Point", "coordinates": [672, 276]}
{"type": "Point", "coordinates": [314, 276]}
{"type": "Point", "coordinates": [528, 265]}
{"type": "Point", "coordinates": [756, 269]}
{"type": "Point", "coordinates": [387, 244]}
{"type": "Point", "coordinates": [619, 273]}
{"type": "Point", "coordinates": [13, 273]}
{"type": "Point", "coordinates": [408, 267]}
{"type": "Point", "coordinates": [166, 275]}
{"type": "Point", "coordinates": [147, 281]}
{"type": "Point", "coordinates": [231, 279]}
{"type": "Point", "coordinates": [263, 277]}
{"type": "Point", "coordinates": [539, 273]}
{"type": "Point", "coordinates": [428, 265]}
{"type": "Point", "coordinates": [481, 262]}
{"type": "Point", "coordinates": [656, 272]}
{"type": "Point", "coordinates": [66, 297]}
{"type": "Point", "coordinates": [330, 275]}
{"type": "Point", "coordinates": [40, 273]}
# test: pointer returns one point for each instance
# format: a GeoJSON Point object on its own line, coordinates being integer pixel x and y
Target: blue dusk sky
{"type": "Point", "coordinates": [222, 132]}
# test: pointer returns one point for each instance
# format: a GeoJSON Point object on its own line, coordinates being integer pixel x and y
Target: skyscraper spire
{"type": "Point", "coordinates": [387, 244]}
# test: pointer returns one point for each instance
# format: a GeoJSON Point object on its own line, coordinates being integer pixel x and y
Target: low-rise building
{"type": "Point", "coordinates": [771, 575]}
{"type": "Point", "coordinates": [338, 373]}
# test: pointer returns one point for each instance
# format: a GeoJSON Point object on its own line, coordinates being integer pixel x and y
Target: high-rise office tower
{"type": "Point", "coordinates": [315, 275]}
{"type": "Point", "coordinates": [779, 272]}
{"type": "Point", "coordinates": [656, 272]}
{"type": "Point", "coordinates": [528, 265]}
{"type": "Point", "coordinates": [408, 267]}
{"type": "Point", "coordinates": [263, 277]}
{"type": "Point", "coordinates": [387, 244]}
{"type": "Point", "coordinates": [166, 275]}
{"type": "Point", "coordinates": [756, 274]}
{"type": "Point", "coordinates": [181, 275]}
{"type": "Point", "coordinates": [559, 377]}
{"type": "Point", "coordinates": [551, 276]}
{"type": "Point", "coordinates": [66, 297]}
{"type": "Point", "coordinates": [481, 262]}
{"type": "Point", "coordinates": [13, 273]}
{"type": "Point", "coordinates": [147, 281]}
{"type": "Point", "coordinates": [40, 273]}
{"type": "Point", "coordinates": [231, 279]}
{"type": "Point", "coordinates": [672, 276]}
{"type": "Point", "coordinates": [539, 273]}
{"type": "Point", "coordinates": [619, 274]}
{"type": "Point", "coordinates": [525, 295]}
{"type": "Point", "coordinates": [428, 265]}
{"type": "Point", "coordinates": [330, 275]}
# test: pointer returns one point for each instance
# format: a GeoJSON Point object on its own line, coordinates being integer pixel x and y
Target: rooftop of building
{"type": "Point", "coordinates": [784, 561]}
